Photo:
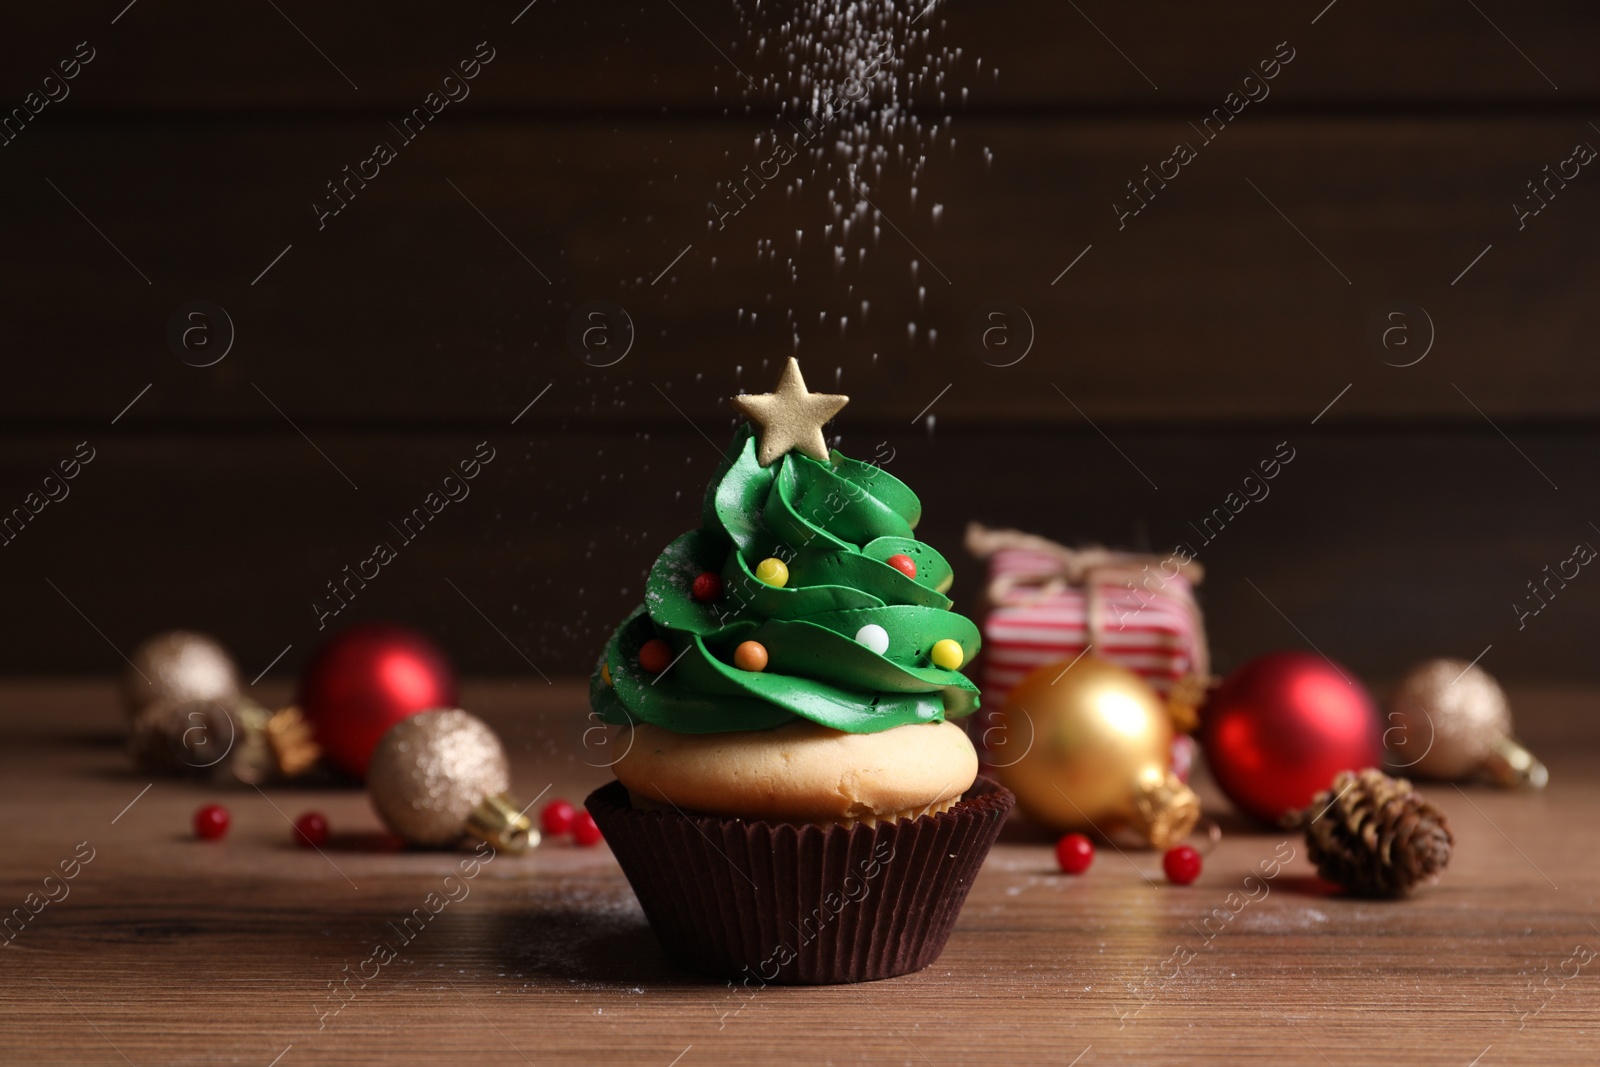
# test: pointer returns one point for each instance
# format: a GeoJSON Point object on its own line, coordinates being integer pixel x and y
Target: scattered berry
{"type": "Point", "coordinates": [750, 656]}
{"type": "Point", "coordinates": [903, 563]}
{"type": "Point", "coordinates": [1074, 852]}
{"type": "Point", "coordinates": [311, 830]}
{"type": "Point", "coordinates": [655, 655]}
{"type": "Point", "coordinates": [1182, 864]}
{"type": "Point", "coordinates": [211, 822]}
{"type": "Point", "coordinates": [584, 830]}
{"type": "Point", "coordinates": [557, 818]}
{"type": "Point", "coordinates": [706, 587]}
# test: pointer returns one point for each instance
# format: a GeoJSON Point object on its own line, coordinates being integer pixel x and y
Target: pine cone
{"type": "Point", "coordinates": [1374, 835]}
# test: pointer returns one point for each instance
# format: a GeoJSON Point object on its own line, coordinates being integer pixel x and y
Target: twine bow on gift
{"type": "Point", "coordinates": [1092, 569]}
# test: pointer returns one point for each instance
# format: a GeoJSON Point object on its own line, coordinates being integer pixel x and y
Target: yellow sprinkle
{"type": "Point", "coordinates": [605, 673]}
{"type": "Point", "coordinates": [947, 655]}
{"type": "Point", "coordinates": [773, 572]}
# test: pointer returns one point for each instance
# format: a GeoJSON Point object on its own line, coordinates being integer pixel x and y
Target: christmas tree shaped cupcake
{"type": "Point", "coordinates": [794, 803]}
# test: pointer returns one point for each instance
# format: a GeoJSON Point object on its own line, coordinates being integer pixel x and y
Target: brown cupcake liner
{"type": "Point", "coordinates": [765, 903]}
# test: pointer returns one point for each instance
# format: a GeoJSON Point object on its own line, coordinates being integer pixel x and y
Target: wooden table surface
{"type": "Point", "coordinates": [168, 950]}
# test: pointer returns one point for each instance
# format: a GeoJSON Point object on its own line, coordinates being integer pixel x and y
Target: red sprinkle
{"type": "Point", "coordinates": [903, 563]}
{"type": "Point", "coordinates": [706, 587]}
{"type": "Point", "coordinates": [655, 655]}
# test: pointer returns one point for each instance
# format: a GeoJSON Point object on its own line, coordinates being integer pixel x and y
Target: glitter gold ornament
{"type": "Point", "coordinates": [1449, 719]}
{"type": "Point", "coordinates": [441, 775]}
{"type": "Point", "coordinates": [211, 738]}
{"type": "Point", "coordinates": [179, 666]}
{"type": "Point", "coordinates": [190, 716]}
{"type": "Point", "coordinates": [184, 737]}
{"type": "Point", "coordinates": [790, 417]}
{"type": "Point", "coordinates": [1098, 752]}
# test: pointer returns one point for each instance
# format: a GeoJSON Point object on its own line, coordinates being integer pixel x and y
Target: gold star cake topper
{"type": "Point", "coordinates": [790, 417]}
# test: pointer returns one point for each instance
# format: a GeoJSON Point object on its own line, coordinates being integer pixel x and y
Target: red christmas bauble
{"type": "Point", "coordinates": [1279, 728]}
{"type": "Point", "coordinates": [366, 679]}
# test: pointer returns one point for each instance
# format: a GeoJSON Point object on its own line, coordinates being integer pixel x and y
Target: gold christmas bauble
{"type": "Point", "coordinates": [1450, 719]}
{"type": "Point", "coordinates": [179, 667]}
{"type": "Point", "coordinates": [1097, 752]}
{"type": "Point", "coordinates": [441, 775]}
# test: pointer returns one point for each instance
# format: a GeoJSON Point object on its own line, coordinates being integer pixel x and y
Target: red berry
{"type": "Point", "coordinates": [903, 563]}
{"type": "Point", "coordinates": [1182, 864]}
{"type": "Point", "coordinates": [1074, 852]}
{"type": "Point", "coordinates": [584, 830]}
{"type": "Point", "coordinates": [707, 587]}
{"type": "Point", "coordinates": [211, 822]}
{"type": "Point", "coordinates": [655, 655]}
{"type": "Point", "coordinates": [557, 818]}
{"type": "Point", "coordinates": [311, 830]}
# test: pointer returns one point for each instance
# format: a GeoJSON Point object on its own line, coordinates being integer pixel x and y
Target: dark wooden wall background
{"type": "Point", "coordinates": [1416, 511]}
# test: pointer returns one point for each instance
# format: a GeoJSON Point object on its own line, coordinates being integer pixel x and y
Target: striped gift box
{"type": "Point", "coordinates": [1045, 603]}
{"type": "Point", "coordinates": [1151, 635]}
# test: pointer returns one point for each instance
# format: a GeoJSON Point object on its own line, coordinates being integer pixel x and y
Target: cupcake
{"type": "Point", "coordinates": [794, 804]}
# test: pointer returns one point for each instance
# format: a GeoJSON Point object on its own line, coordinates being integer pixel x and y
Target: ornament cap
{"type": "Point", "coordinates": [1511, 765]}
{"type": "Point", "coordinates": [1164, 810]}
{"type": "Point", "coordinates": [1184, 700]}
{"type": "Point", "coordinates": [270, 744]}
{"type": "Point", "coordinates": [499, 820]}
{"type": "Point", "coordinates": [251, 760]}
{"type": "Point", "coordinates": [289, 736]}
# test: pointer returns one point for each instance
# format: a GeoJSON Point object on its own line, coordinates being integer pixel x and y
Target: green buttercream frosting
{"type": "Point", "coordinates": [834, 524]}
